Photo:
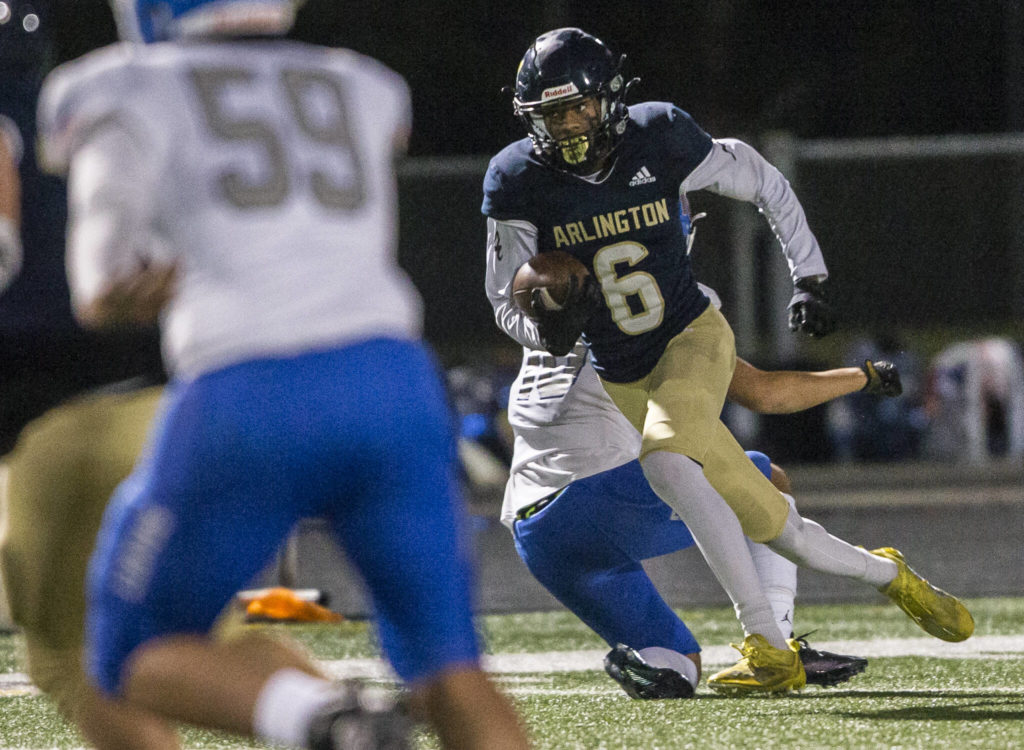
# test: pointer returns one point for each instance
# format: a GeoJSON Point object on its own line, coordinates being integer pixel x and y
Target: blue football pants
{"type": "Point", "coordinates": [586, 547]}
{"type": "Point", "coordinates": [361, 435]}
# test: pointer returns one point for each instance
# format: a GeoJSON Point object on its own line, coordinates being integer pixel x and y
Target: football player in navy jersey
{"type": "Point", "coordinates": [584, 518]}
{"type": "Point", "coordinates": [602, 181]}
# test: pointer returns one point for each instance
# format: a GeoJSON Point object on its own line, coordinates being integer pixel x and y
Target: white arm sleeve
{"type": "Point", "coordinates": [736, 170]}
{"type": "Point", "coordinates": [111, 185]}
{"type": "Point", "coordinates": [509, 245]}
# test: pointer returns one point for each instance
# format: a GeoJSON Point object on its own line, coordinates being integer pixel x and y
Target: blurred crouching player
{"type": "Point", "coordinates": [247, 182]}
{"type": "Point", "coordinates": [64, 464]}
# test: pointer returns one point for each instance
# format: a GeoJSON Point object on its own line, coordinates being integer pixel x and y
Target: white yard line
{"type": "Point", "coordinates": [978, 647]}
{"type": "Point", "coordinates": [519, 671]}
{"type": "Point", "coordinates": [981, 647]}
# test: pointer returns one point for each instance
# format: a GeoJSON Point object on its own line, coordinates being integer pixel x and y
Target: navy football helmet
{"type": "Point", "coordinates": [563, 67]}
{"type": "Point", "coordinates": [160, 20]}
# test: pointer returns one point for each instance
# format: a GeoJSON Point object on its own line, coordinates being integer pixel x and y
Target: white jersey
{"type": "Point", "coordinates": [262, 168]}
{"type": "Point", "coordinates": [566, 426]}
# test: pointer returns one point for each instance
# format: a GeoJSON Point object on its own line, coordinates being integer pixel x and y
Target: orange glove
{"type": "Point", "coordinates": [281, 604]}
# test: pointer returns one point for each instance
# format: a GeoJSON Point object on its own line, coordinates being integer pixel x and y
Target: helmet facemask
{"type": "Point", "coordinates": [581, 153]}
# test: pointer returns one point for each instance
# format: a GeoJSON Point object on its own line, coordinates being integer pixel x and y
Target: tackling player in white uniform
{"type": "Point", "coordinates": [242, 188]}
{"type": "Point", "coordinates": [584, 517]}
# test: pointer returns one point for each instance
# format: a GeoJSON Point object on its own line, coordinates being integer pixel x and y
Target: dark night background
{"type": "Point", "coordinates": [740, 66]}
{"type": "Point", "coordinates": [911, 246]}
{"type": "Point", "coordinates": [743, 68]}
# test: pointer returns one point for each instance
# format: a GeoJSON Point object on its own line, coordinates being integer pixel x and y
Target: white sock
{"type": "Point", "coordinates": [286, 705]}
{"type": "Point", "coordinates": [778, 579]}
{"type": "Point", "coordinates": [810, 546]}
{"type": "Point", "coordinates": [666, 658]}
{"type": "Point", "coordinates": [680, 482]}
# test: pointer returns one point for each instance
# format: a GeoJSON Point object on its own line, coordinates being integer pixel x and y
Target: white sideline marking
{"type": "Point", "coordinates": [978, 647]}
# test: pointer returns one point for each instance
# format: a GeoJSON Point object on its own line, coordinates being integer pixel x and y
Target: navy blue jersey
{"type": "Point", "coordinates": [628, 230]}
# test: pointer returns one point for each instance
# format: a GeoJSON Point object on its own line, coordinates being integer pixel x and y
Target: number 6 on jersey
{"type": "Point", "coordinates": [638, 287]}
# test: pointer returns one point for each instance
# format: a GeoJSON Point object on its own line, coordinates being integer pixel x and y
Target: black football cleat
{"type": "Point", "coordinates": [825, 668]}
{"type": "Point", "coordinates": [642, 681]}
{"type": "Point", "coordinates": [361, 718]}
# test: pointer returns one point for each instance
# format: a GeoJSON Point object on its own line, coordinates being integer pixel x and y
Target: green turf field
{"type": "Point", "coordinates": [916, 693]}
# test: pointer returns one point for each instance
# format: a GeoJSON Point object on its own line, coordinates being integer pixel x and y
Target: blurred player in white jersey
{"type": "Point", "coordinates": [584, 517]}
{"type": "Point", "coordinates": [241, 188]}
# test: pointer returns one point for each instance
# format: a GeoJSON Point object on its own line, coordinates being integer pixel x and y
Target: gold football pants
{"type": "Point", "coordinates": [677, 407]}
{"type": "Point", "coordinates": [61, 474]}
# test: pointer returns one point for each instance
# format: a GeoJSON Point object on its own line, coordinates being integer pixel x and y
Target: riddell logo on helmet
{"type": "Point", "coordinates": [557, 92]}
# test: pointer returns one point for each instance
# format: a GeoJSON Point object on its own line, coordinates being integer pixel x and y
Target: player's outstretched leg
{"type": "Point", "coordinates": [825, 668]}
{"type": "Point", "coordinates": [808, 544]}
{"type": "Point", "coordinates": [641, 680]}
{"type": "Point", "coordinates": [938, 613]}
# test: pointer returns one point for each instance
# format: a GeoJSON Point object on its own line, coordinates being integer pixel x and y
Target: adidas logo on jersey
{"type": "Point", "coordinates": [642, 177]}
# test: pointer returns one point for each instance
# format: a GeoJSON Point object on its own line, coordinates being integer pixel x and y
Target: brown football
{"type": "Point", "coordinates": [550, 273]}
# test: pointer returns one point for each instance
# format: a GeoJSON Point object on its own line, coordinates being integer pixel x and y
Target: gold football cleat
{"type": "Point", "coordinates": [938, 613]}
{"type": "Point", "coordinates": [763, 669]}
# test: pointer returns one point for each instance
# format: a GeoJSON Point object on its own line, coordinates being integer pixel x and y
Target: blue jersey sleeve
{"type": "Point", "coordinates": [683, 144]}
{"type": "Point", "coordinates": [686, 141]}
{"type": "Point", "coordinates": [495, 204]}
{"type": "Point", "coordinates": [503, 198]}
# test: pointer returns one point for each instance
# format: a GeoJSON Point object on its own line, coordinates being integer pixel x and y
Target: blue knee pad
{"type": "Point", "coordinates": [762, 462]}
